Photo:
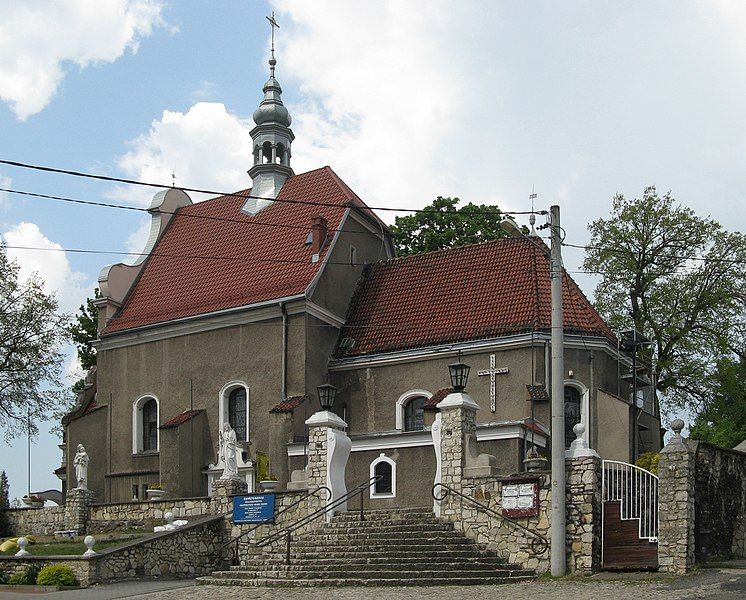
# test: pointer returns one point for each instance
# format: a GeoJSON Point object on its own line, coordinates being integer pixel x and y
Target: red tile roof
{"type": "Point", "coordinates": [441, 394]}
{"type": "Point", "coordinates": [473, 292]}
{"type": "Point", "coordinates": [181, 418]}
{"type": "Point", "coordinates": [202, 265]}
{"type": "Point", "coordinates": [289, 404]}
{"type": "Point", "coordinates": [537, 392]}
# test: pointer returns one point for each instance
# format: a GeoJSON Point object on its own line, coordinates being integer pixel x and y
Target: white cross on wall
{"type": "Point", "coordinates": [492, 371]}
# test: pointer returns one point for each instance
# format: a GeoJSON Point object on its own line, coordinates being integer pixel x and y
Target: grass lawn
{"type": "Point", "coordinates": [51, 547]}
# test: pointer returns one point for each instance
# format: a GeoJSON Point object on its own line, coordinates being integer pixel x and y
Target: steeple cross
{"type": "Point", "coordinates": [273, 23]}
{"type": "Point", "coordinates": [492, 371]}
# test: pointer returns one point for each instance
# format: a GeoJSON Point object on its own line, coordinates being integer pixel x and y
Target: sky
{"type": "Point", "coordinates": [406, 101]}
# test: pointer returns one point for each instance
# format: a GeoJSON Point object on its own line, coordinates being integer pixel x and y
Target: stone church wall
{"type": "Point", "coordinates": [108, 517]}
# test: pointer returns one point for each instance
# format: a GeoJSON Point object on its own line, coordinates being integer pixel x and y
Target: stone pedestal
{"type": "Point", "coordinates": [328, 450]}
{"type": "Point", "coordinates": [221, 502]}
{"type": "Point", "coordinates": [77, 504]}
{"type": "Point", "coordinates": [676, 514]}
{"type": "Point", "coordinates": [457, 421]}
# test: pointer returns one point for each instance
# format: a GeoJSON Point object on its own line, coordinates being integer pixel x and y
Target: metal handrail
{"type": "Point", "coordinates": [233, 543]}
{"type": "Point", "coordinates": [539, 544]}
{"type": "Point", "coordinates": [287, 531]}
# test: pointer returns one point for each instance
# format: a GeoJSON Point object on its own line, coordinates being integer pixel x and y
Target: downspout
{"type": "Point", "coordinates": [283, 390]}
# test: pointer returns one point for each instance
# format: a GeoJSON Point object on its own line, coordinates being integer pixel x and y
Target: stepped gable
{"type": "Point", "coordinates": [472, 292]}
{"type": "Point", "coordinates": [228, 258]}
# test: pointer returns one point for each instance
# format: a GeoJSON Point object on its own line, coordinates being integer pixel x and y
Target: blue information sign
{"type": "Point", "coordinates": [254, 509]}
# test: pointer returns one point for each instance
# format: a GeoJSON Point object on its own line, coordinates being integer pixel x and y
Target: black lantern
{"type": "Point", "coordinates": [327, 392]}
{"type": "Point", "coordinates": [459, 374]}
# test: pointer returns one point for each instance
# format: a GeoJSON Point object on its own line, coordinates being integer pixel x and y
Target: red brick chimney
{"type": "Point", "coordinates": [319, 230]}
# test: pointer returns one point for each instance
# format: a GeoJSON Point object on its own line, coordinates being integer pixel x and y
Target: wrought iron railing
{"type": "Point", "coordinates": [636, 490]}
{"type": "Point", "coordinates": [232, 545]}
{"type": "Point", "coordinates": [287, 531]}
{"type": "Point", "coordinates": [538, 545]}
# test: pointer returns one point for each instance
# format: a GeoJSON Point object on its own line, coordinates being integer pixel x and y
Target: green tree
{"type": "Point", "coordinates": [31, 337]}
{"type": "Point", "coordinates": [83, 332]}
{"type": "Point", "coordinates": [722, 420]}
{"type": "Point", "coordinates": [681, 280]}
{"type": "Point", "coordinates": [442, 225]}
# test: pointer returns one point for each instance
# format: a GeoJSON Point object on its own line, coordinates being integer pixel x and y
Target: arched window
{"type": "Point", "coordinates": [410, 415]}
{"type": "Point", "coordinates": [237, 412]}
{"type": "Point", "coordinates": [145, 418]}
{"type": "Point", "coordinates": [573, 414]}
{"type": "Point", "coordinates": [280, 154]}
{"type": "Point", "coordinates": [233, 404]}
{"type": "Point", "coordinates": [414, 414]}
{"type": "Point", "coordinates": [384, 469]}
{"type": "Point", "coordinates": [266, 152]}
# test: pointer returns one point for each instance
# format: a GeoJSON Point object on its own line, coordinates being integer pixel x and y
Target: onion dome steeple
{"type": "Point", "coordinates": [271, 140]}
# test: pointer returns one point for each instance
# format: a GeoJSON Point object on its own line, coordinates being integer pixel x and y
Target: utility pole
{"type": "Point", "coordinates": [558, 560]}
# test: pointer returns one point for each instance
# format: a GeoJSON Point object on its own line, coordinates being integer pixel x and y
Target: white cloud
{"type": "Point", "coordinates": [206, 147]}
{"type": "Point", "coordinates": [37, 39]}
{"type": "Point", "coordinates": [71, 287]}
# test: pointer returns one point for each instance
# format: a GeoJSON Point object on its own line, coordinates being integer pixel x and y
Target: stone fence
{"type": "Point", "coordinates": [103, 518]}
{"type": "Point", "coordinates": [701, 502]}
{"type": "Point", "coordinates": [187, 552]}
{"type": "Point", "coordinates": [36, 521]}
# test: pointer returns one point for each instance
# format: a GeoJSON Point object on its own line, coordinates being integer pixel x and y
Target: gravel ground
{"type": "Point", "coordinates": [713, 584]}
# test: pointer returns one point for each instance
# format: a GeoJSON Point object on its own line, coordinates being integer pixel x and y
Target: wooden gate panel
{"type": "Point", "coordinates": [623, 548]}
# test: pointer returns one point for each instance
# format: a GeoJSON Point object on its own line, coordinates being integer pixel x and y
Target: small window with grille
{"type": "Point", "coordinates": [383, 469]}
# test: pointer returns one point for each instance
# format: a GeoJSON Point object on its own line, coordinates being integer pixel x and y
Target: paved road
{"type": "Point", "coordinates": [709, 584]}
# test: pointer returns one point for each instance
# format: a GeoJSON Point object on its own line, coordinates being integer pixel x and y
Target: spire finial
{"type": "Point", "coordinates": [272, 62]}
{"type": "Point", "coordinates": [532, 218]}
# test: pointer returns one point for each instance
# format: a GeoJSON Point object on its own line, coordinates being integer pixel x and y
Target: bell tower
{"type": "Point", "coordinates": [271, 140]}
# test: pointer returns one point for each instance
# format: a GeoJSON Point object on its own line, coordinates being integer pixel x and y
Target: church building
{"type": "Point", "coordinates": [245, 304]}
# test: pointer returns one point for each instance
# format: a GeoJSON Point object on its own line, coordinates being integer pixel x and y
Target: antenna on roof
{"type": "Point", "coordinates": [173, 179]}
{"type": "Point", "coordinates": [532, 218]}
{"type": "Point", "coordinates": [272, 62]}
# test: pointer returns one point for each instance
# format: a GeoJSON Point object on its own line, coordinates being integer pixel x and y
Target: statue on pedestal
{"type": "Point", "coordinates": [80, 462]}
{"type": "Point", "coordinates": [228, 452]}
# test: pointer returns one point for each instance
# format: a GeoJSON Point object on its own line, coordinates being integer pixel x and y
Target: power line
{"type": "Point", "coordinates": [587, 247]}
{"type": "Point", "coordinates": [181, 213]}
{"type": "Point", "coordinates": [46, 169]}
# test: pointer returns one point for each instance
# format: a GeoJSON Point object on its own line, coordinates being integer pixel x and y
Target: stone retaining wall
{"type": "Point", "coordinates": [583, 509]}
{"type": "Point", "coordinates": [185, 553]}
{"type": "Point", "coordinates": [103, 518]}
{"type": "Point", "coordinates": [36, 521]}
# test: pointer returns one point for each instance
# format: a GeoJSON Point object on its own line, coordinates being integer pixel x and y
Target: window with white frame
{"type": "Point", "coordinates": [384, 470]}
{"type": "Point", "coordinates": [410, 410]}
{"type": "Point", "coordinates": [234, 409]}
{"type": "Point", "coordinates": [145, 419]}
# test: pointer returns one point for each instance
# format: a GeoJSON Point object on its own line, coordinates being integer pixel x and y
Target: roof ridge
{"type": "Point", "coordinates": [444, 250]}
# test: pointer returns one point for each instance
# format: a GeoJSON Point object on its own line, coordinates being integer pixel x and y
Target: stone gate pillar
{"type": "Point", "coordinates": [584, 503]}
{"type": "Point", "coordinates": [457, 421]}
{"type": "Point", "coordinates": [328, 450]}
{"type": "Point", "coordinates": [676, 504]}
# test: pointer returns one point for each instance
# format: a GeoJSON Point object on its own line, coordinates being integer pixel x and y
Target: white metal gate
{"type": "Point", "coordinates": [630, 516]}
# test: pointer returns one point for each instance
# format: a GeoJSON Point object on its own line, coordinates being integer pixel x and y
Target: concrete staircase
{"type": "Point", "coordinates": [391, 547]}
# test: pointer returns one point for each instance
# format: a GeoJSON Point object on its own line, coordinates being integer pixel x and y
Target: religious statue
{"type": "Point", "coordinates": [80, 462]}
{"type": "Point", "coordinates": [228, 452]}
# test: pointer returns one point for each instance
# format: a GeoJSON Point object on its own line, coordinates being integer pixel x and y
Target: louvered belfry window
{"type": "Point", "coordinates": [237, 413]}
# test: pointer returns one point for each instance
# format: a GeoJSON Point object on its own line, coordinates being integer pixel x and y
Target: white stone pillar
{"type": "Point", "coordinates": [328, 450]}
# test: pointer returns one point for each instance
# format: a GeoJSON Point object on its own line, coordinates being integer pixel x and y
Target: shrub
{"type": "Point", "coordinates": [27, 577]}
{"type": "Point", "coordinates": [649, 461]}
{"type": "Point", "coordinates": [56, 575]}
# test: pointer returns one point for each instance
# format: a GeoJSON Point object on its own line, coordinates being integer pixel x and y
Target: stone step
{"type": "Point", "coordinates": [386, 536]}
{"type": "Point", "coordinates": [385, 526]}
{"type": "Point", "coordinates": [340, 573]}
{"type": "Point", "coordinates": [378, 515]}
{"type": "Point", "coordinates": [422, 565]}
{"type": "Point", "coordinates": [393, 581]}
{"type": "Point", "coordinates": [423, 552]}
{"type": "Point", "coordinates": [433, 559]}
